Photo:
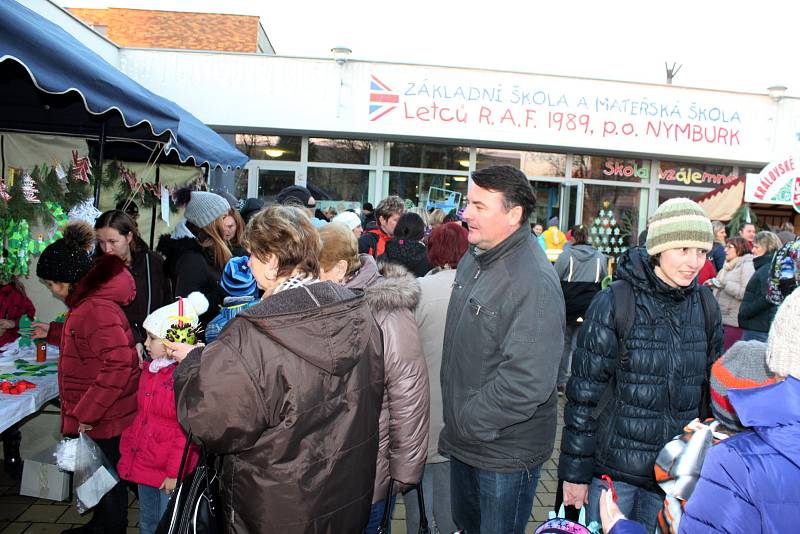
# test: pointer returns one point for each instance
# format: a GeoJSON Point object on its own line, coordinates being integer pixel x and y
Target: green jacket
{"type": "Point", "coordinates": [756, 312]}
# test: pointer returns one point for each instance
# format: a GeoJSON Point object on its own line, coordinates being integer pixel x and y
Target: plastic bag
{"type": "Point", "coordinates": [65, 454]}
{"type": "Point", "coordinates": [94, 474]}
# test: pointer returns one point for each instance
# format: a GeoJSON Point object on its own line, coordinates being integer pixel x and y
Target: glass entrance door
{"type": "Point", "coordinates": [265, 179]}
{"type": "Point", "coordinates": [558, 199]}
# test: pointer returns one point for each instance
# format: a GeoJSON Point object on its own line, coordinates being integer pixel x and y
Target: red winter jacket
{"type": "Point", "coordinates": [706, 273]}
{"type": "Point", "coordinates": [13, 305]}
{"type": "Point", "coordinates": [98, 371]}
{"type": "Point", "coordinates": [153, 445]}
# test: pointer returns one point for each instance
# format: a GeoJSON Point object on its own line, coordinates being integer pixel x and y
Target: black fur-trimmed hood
{"type": "Point", "coordinates": [107, 279]}
{"type": "Point", "coordinates": [387, 286]}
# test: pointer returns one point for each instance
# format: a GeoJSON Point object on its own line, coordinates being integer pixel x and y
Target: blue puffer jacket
{"type": "Point", "coordinates": [750, 483]}
{"type": "Point", "coordinates": [657, 392]}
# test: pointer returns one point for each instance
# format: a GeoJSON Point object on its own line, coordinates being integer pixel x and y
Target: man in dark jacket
{"type": "Point", "coordinates": [657, 388]}
{"type": "Point", "coordinates": [502, 344]}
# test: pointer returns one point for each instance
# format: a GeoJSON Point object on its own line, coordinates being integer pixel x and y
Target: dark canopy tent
{"type": "Point", "coordinates": [51, 83]}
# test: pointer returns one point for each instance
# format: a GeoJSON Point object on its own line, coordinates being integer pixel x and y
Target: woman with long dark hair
{"type": "Point", "coordinates": [196, 252]}
{"type": "Point", "coordinates": [118, 235]}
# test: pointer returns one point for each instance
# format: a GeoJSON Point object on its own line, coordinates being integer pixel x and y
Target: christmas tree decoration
{"type": "Point", "coordinates": [81, 168]}
{"type": "Point", "coordinates": [29, 191]}
{"type": "Point", "coordinates": [605, 234]}
{"type": "Point", "coordinates": [34, 198]}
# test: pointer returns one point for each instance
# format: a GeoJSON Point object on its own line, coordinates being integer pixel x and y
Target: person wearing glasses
{"type": "Point", "coordinates": [730, 284]}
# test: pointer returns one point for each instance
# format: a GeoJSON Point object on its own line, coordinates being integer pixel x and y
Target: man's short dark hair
{"type": "Point", "coordinates": [512, 183]}
{"type": "Point", "coordinates": [389, 206]}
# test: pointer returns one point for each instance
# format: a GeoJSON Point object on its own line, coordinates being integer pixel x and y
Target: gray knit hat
{"type": "Point", "coordinates": [678, 223]}
{"type": "Point", "coordinates": [783, 357]}
{"type": "Point", "coordinates": [204, 208]}
{"type": "Point", "coordinates": [743, 366]}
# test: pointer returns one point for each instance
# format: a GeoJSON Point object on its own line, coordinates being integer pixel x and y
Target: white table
{"type": "Point", "coordinates": [15, 408]}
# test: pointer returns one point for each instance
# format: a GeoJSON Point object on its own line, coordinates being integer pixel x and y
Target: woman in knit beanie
{"type": "Point", "coordinates": [632, 390]}
{"type": "Point", "coordinates": [69, 259]}
{"type": "Point", "coordinates": [98, 367]}
{"type": "Point", "coordinates": [196, 251]}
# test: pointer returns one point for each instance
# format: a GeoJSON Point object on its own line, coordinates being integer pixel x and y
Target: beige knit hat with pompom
{"type": "Point", "coordinates": [783, 355]}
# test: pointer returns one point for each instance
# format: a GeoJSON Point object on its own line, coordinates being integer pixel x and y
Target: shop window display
{"type": "Point", "coordinates": [348, 185]}
{"type": "Point", "coordinates": [269, 147]}
{"type": "Point", "coordinates": [347, 151]}
{"type": "Point", "coordinates": [666, 194]}
{"type": "Point", "coordinates": [610, 168]}
{"type": "Point", "coordinates": [531, 163]}
{"type": "Point", "coordinates": [427, 156]}
{"type": "Point", "coordinates": [694, 174]}
{"type": "Point", "coordinates": [612, 215]}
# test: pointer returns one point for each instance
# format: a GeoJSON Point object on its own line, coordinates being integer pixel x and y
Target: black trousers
{"type": "Point", "coordinates": [111, 513]}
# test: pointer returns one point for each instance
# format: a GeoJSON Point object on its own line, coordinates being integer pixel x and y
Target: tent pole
{"type": "Point", "coordinates": [99, 166]}
{"type": "Point", "coordinates": [153, 212]}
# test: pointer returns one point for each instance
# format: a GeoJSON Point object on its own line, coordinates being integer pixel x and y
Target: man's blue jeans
{"type": "Point", "coordinates": [376, 515]}
{"type": "Point", "coordinates": [637, 504]}
{"type": "Point", "coordinates": [489, 502]}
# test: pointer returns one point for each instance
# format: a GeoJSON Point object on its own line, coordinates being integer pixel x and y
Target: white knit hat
{"type": "Point", "coordinates": [783, 357]}
{"type": "Point", "coordinates": [349, 219]}
{"type": "Point", "coordinates": [161, 320]}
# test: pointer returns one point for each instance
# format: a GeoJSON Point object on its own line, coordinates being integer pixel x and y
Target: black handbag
{"type": "Point", "coordinates": [195, 507]}
{"type": "Point", "coordinates": [387, 511]}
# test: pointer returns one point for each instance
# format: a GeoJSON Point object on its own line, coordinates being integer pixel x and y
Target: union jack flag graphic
{"type": "Point", "coordinates": [382, 99]}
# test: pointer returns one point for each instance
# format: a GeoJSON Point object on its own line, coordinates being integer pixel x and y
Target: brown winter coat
{"type": "Point", "coordinates": [392, 295]}
{"type": "Point", "coordinates": [290, 394]}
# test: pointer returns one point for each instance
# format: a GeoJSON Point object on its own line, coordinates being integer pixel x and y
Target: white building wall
{"type": "Point", "coordinates": [282, 94]}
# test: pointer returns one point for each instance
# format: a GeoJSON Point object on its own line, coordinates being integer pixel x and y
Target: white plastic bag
{"type": "Point", "coordinates": [65, 454]}
{"type": "Point", "coordinates": [94, 474]}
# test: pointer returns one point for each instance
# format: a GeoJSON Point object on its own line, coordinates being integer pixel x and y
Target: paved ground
{"type": "Point", "coordinates": [39, 516]}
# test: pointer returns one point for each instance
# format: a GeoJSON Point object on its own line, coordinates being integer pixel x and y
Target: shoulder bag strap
{"type": "Point", "coordinates": [387, 510]}
{"type": "Point", "coordinates": [423, 516]}
{"type": "Point", "coordinates": [569, 276]}
{"type": "Point", "coordinates": [624, 311]}
{"type": "Point", "coordinates": [708, 302]}
{"type": "Point", "coordinates": [597, 272]}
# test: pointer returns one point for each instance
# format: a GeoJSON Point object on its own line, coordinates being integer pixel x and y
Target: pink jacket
{"type": "Point", "coordinates": [403, 447]}
{"type": "Point", "coordinates": [152, 446]}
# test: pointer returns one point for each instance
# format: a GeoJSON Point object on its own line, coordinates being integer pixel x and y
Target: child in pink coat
{"type": "Point", "coordinates": [152, 446]}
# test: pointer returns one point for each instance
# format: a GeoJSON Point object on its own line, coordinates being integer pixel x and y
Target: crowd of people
{"type": "Point", "coordinates": [319, 356]}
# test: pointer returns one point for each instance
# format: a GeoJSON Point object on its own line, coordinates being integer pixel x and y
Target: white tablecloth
{"type": "Point", "coordinates": [14, 408]}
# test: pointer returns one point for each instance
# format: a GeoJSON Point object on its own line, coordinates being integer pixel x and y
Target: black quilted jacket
{"type": "Point", "coordinates": [657, 392]}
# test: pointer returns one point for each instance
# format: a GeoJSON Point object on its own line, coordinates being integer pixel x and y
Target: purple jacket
{"type": "Point", "coordinates": [750, 482]}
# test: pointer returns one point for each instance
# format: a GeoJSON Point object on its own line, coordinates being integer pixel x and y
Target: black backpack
{"type": "Point", "coordinates": [622, 295]}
